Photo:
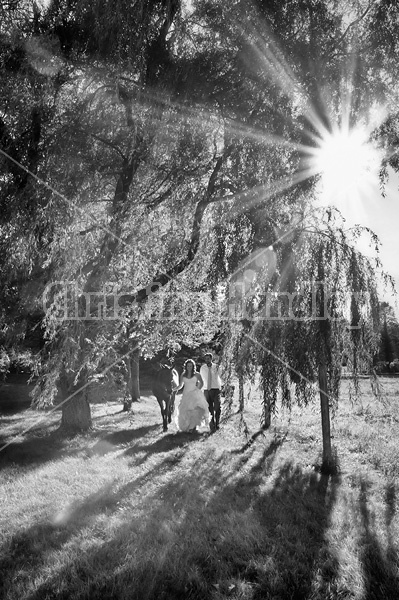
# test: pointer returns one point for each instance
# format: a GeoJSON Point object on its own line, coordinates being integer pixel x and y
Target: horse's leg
{"type": "Point", "coordinates": [165, 416]}
{"type": "Point", "coordinates": [163, 413]}
{"type": "Point", "coordinates": [167, 410]}
{"type": "Point", "coordinates": [171, 407]}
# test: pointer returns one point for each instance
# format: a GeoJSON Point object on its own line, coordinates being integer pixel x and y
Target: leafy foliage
{"type": "Point", "coordinates": [321, 300]}
{"type": "Point", "coordinates": [155, 151]}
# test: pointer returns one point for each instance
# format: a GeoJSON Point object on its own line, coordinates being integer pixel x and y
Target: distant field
{"type": "Point", "coordinates": [127, 511]}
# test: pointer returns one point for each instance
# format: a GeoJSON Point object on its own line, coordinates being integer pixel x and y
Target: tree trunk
{"type": "Point", "coordinates": [241, 399]}
{"type": "Point", "coordinates": [328, 463]}
{"type": "Point", "coordinates": [76, 414]}
{"type": "Point", "coordinates": [268, 403]}
{"type": "Point", "coordinates": [133, 384]}
{"type": "Point", "coordinates": [267, 413]}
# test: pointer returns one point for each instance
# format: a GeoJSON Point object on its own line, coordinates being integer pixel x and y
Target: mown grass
{"type": "Point", "coordinates": [129, 512]}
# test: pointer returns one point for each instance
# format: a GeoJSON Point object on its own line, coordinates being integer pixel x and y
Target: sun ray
{"type": "Point", "coordinates": [257, 195]}
{"type": "Point", "coordinates": [260, 135]}
{"type": "Point", "coordinates": [335, 149]}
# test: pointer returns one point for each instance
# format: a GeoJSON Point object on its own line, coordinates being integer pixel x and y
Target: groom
{"type": "Point", "coordinates": [212, 384]}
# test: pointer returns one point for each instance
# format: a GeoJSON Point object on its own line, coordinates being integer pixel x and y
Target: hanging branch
{"type": "Point", "coordinates": [163, 278]}
{"type": "Point", "coordinates": [120, 201]}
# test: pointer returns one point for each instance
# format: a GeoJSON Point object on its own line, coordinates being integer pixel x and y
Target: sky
{"type": "Point", "coordinates": [382, 217]}
{"type": "Point", "coordinates": [349, 166]}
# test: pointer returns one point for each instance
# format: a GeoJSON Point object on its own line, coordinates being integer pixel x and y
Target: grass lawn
{"type": "Point", "coordinates": [127, 511]}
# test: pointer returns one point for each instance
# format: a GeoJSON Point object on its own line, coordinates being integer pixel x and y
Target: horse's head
{"type": "Point", "coordinates": [168, 378]}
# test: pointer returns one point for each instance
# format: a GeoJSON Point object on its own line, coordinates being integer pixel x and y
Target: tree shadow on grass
{"type": "Point", "coordinates": [277, 441]}
{"type": "Point", "coordinates": [41, 446]}
{"type": "Point", "coordinates": [380, 565]}
{"type": "Point", "coordinates": [122, 437]}
{"type": "Point", "coordinates": [297, 512]}
{"type": "Point", "coordinates": [34, 450]}
{"type": "Point", "coordinates": [166, 443]}
{"type": "Point", "coordinates": [229, 522]}
{"type": "Point", "coordinates": [33, 545]}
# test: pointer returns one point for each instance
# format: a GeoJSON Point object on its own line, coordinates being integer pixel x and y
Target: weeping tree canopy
{"type": "Point", "coordinates": [313, 294]}
{"type": "Point", "coordinates": [158, 147]}
{"type": "Point", "coordinates": [296, 311]}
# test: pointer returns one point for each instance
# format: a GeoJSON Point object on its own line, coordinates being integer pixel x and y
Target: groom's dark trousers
{"type": "Point", "coordinates": [213, 398]}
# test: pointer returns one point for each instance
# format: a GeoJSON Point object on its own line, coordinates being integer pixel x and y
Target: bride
{"type": "Point", "coordinates": [193, 409]}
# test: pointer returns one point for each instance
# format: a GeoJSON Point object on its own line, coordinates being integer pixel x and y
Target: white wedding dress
{"type": "Point", "coordinates": [193, 408]}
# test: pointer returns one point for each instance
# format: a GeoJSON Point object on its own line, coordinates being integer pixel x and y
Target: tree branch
{"type": "Point", "coordinates": [112, 238]}
{"type": "Point", "coordinates": [108, 143]}
{"type": "Point", "coordinates": [158, 201]}
{"type": "Point", "coordinates": [161, 279]}
{"type": "Point", "coordinates": [355, 22]}
{"type": "Point", "coordinates": [89, 230]}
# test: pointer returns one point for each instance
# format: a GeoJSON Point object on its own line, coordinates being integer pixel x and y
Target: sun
{"type": "Point", "coordinates": [348, 164]}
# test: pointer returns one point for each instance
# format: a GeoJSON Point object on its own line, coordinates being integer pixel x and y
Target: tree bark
{"type": "Point", "coordinates": [328, 463]}
{"type": "Point", "coordinates": [241, 398]}
{"type": "Point", "coordinates": [267, 413]}
{"type": "Point", "coordinates": [133, 365]}
{"type": "Point", "coordinates": [76, 415]}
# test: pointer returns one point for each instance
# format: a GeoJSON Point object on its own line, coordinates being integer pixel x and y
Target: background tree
{"type": "Point", "coordinates": [389, 336]}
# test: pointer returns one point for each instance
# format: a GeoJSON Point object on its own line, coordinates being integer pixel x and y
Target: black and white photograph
{"type": "Point", "coordinates": [199, 320]}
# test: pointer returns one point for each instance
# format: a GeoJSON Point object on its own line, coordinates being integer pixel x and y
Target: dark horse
{"type": "Point", "coordinates": [165, 380]}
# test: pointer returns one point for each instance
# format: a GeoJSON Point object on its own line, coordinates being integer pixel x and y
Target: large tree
{"type": "Point", "coordinates": [201, 117]}
{"type": "Point", "coordinates": [125, 151]}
